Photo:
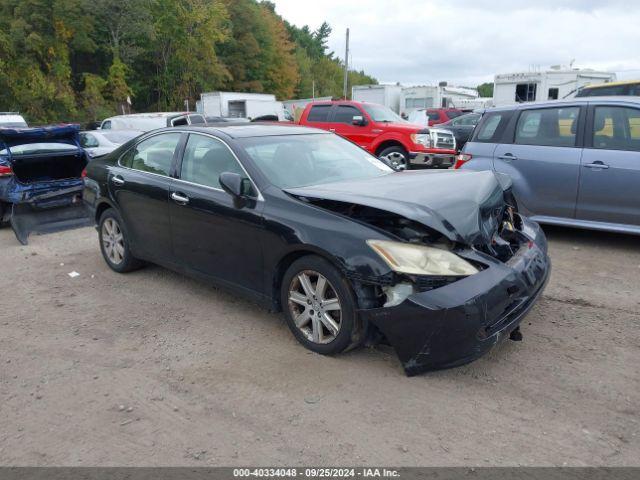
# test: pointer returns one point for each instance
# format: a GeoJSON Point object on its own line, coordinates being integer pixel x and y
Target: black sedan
{"type": "Point", "coordinates": [462, 127]}
{"type": "Point", "coordinates": [436, 263]}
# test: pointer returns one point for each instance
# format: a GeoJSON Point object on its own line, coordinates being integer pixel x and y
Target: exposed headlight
{"type": "Point", "coordinates": [422, 139]}
{"type": "Point", "coordinates": [421, 260]}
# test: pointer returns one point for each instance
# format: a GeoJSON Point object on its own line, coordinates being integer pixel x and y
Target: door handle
{"type": "Point", "coordinates": [599, 165]}
{"type": "Point", "coordinates": [332, 130]}
{"type": "Point", "coordinates": [118, 180]}
{"type": "Point", "coordinates": [179, 198]}
{"type": "Point", "coordinates": [507, 157]}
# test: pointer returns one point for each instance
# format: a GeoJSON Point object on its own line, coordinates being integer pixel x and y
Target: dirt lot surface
{"type": "Point", "coordinates": [152, 368]}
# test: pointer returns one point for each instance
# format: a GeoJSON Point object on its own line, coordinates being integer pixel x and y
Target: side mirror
{"type": "Point", "coordinates": [233, 184]}
{"type": "Point", "coordinates": [358, 120]}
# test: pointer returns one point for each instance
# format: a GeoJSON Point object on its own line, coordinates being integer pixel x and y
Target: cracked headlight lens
{"type": "Point", "coordinates": [421, 260]}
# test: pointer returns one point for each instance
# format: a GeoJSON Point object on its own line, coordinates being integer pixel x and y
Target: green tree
{"type": "Point", "coordinates": [184, 43]}
{"type": "Point", "coordinates": [93, 103]}
{"type": "Point", "coordinates": [486, 89]}
{"type": "Point", "coordinates": [66, 60]}
{"type": "Point", "coordinates": [117, 89]}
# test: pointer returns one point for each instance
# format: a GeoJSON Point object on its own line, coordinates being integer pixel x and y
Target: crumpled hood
{"type": "Point", "coordinates": [462, 205]}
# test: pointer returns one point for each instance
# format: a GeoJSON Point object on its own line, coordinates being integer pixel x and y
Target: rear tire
{"type": "Point", "coordinates": [320, 306]}
{"type": "Point", "coordinates": [396, 157]}
{"type": "Point", "coordinates": [114, 243]}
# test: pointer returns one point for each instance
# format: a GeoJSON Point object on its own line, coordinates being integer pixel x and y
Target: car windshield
{"type": "Point", "coordinates": [380, 113]}
{"type": "Point", "coordinates": [30, 148]}
{"type": "Point", "coordinates": [119, 136]}
{"type": "Point", "coordinates": [454, 113]}
{"type": "Point", "coordinates": [303, 160]}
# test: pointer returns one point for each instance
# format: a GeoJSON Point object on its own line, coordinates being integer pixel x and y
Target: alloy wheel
{"type": "Point", "coordinates": [315, 307]}
{"type": "Point", "coordinates": [396, 159]}
{"type": "Point", "coordinates": [113, 241]}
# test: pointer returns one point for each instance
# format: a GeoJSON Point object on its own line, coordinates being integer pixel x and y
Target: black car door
{"type": "Point", "coordinates": [140, 186]}
{"type": "Point", "coordinates": [209, 234]}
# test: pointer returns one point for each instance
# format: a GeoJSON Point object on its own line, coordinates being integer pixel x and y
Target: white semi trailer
{"type": "Point", "coordinates": [240, 105]}
{"type": "Point", "coordinates": [388, 95]}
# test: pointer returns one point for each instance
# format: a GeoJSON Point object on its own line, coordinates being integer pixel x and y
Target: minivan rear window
{"type": "Point", "coordinates": [491, 127]}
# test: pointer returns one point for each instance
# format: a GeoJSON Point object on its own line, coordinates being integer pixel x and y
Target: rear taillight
{"type": "Point", "coordinates": [84, 173]}
{"type": "Point", "coordinates": [461, 159]}
{"type": "Point", "coordinates": [5, 171]}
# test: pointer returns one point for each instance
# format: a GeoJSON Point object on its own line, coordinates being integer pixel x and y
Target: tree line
{"type": "Point", "coordinates": [84, 60]}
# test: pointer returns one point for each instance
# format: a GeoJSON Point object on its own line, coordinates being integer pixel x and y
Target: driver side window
{"type": "Point", "coordinates": [205, 158]}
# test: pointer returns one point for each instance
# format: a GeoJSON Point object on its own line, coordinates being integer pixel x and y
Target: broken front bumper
{"type": "Point", "coordinates": [458, 323]}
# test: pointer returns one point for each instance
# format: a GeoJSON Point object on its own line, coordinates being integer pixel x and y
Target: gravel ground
{"type": "Point", "coordinates": [152, 368]}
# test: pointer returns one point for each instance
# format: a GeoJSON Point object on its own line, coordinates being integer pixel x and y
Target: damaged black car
{"type": "Point", "coordinates": [438, 264]}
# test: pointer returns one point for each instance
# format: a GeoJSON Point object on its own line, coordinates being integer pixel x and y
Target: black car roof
{"type": "Point", "coordinates": [244, 130]}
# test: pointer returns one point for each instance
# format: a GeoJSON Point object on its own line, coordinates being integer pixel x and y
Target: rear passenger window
{"type": "Point", "coordinates": [345, 114]}
{"type": "Point", "coordinates": [319, 113]}
{"type": "Point", "coordinates": [554, 127]}
{"type": "Point", "coordinates": [616, 128]}
{"type": "Point", "coordinates": [153, 155]}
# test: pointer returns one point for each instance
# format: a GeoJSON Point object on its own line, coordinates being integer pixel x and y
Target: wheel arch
{"type": "Point", "coordinates": [389, 143]}
{"type": "Point", "coordinates": [287, 260]}
{"type": "Point", "coordinates": [101, 207]}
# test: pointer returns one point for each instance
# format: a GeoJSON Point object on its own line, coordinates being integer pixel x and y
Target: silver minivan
{"type": "Point", "coordinates": [573, 163]}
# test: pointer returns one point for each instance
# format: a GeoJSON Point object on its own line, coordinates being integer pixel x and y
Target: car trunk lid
{"type": "Point", "coordinates": [46, 185]}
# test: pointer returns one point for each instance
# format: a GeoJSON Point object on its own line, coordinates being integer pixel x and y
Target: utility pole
{"type": "Point", "coordinates": [346, 67]}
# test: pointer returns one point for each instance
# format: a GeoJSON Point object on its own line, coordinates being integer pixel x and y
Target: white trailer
{"type": "Point", "coordinates": [437, 96]}
{"type": "Point", "coordinates": [240, 105]}
{"type": "Point", "coordinates": [553, 84]}
{"type": "Point", "coordinates": [388, 95]}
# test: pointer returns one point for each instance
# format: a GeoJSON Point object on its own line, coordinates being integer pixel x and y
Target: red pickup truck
{"type": "Point", "coordinates": [382, 132]}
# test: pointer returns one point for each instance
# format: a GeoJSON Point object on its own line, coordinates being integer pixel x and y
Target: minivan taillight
{"type": "Point", "coordinates": [5, 171]}
{"type": "Point", "coordinates": [461, 159]}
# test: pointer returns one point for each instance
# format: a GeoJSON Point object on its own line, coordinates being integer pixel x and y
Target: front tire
{"type": "Point", "coordinates": [396, 157]}
{"type": "Point", "coordinates": [319, 306]}
{"type": "Point", "coordinates": [114, 243]}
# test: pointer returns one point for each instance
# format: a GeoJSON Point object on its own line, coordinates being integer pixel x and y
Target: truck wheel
{"type": "Point", "coordinates": [396, 157]}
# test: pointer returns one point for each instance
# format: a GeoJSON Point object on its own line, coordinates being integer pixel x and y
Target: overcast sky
{"type": "Point", "coordinates": [466, 42]}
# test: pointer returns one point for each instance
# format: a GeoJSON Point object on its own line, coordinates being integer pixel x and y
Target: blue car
{"type": "Point", "coordinates": [41, 179]}
{"type": "Point", "coordinates": [573, 162]}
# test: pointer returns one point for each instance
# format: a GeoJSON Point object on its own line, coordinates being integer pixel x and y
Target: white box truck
{"type": "Point", "coordinates": [240, 105]}
{"type": "Point", "coordinates": [388, 95]}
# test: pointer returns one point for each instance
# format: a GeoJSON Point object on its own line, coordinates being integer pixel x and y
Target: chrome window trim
{"type": "Point", "coordinates": [144, 140]}
{"type": "Point", "coordinates": [259, 197]}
